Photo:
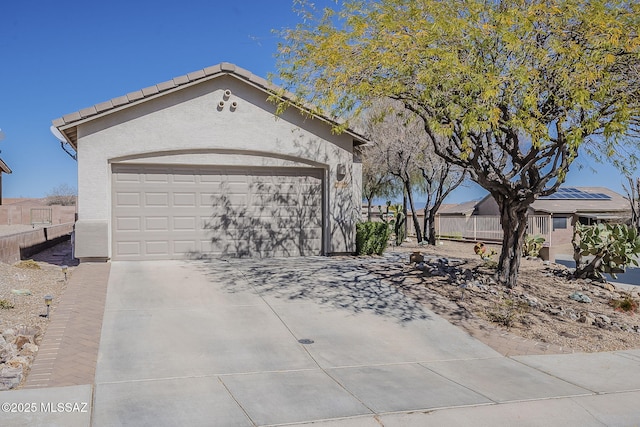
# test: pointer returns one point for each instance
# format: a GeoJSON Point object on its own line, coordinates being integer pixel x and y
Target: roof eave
{"type": "Point", "coordinates": [4, 168]}
{"type": "Point", "coordinates": [68, 124]}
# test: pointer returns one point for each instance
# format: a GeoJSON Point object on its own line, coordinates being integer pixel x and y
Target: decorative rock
{"type": "Point", "coordinates": [416, 257]}
{"type": "Point", "coordinates": [9, 377]}
{"type": "Point", "coordinates": [586, 320]}
{"type": "Point", "coordinates": [604, 319]}
{"type": "Point", "coordinates": [580, 297]}
{"type": "Point", "coordinates": [7, 352]}
{"type": "Point", "coordinates": [28, 349]}
{"type": "Point", "coordinates": [21, 340]}
{"type": "Point", "coordinates": [22, 362]}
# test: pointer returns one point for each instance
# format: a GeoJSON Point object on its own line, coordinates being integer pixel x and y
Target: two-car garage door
{"type": "Point", "coordinates": [172, 212]}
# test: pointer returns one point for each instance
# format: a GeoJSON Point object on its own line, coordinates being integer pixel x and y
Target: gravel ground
{"type": "Point", "coordinates": [23, 320]}
{"type": "Point", "coordinates": [538, 308]}
{"type": "Point", "coordinates": [46, 279]}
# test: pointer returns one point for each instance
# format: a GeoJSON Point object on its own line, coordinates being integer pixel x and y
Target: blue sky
{"type": "Point", "coordinates": [57, 57]}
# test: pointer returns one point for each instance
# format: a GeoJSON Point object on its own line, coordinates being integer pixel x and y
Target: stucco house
{"type": "Point", "coordinates": [202, 165]}
{"type": "Point", "coordinates": [552, 216]}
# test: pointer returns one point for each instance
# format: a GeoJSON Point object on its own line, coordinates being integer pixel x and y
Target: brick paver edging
{"type": "Point", "coordinates": [69, 350]}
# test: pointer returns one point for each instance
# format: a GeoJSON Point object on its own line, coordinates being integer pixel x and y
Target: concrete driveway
{"type": "Point", "coordinates": [286, 341]}
{"type": "Point", "coordinates": [225, 341]}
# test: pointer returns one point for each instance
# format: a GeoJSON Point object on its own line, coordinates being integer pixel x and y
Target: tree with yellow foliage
{"type": "Point", "coordinates": [510, 90]}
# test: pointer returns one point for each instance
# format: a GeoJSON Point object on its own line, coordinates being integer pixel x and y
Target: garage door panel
{"type": "Point", "coordinates": [185, 246]}
{"type": "Point", "coordinates": [127, 223]}
{"type": "Point", "coordinates": [157, 174]}
{"type": "Point", "coordinates": [213, 177]}
{"type": "Point", "coordinates": [157, 223]}
{"type": "Point", "coordinates": [184, 223]}
{"type": "Point", "coordinates": [156, 199]}
{"type": "Point", "coordinates": [184, 176]}
{"type": "Point", "coordinates": [127, 199]}
{"type": "Point", "coordinates": [125, 248]}
{"type": "Point", "coordinates": [157, 247]}
{"type": "Point", "coordinates": [125, 177]}
{"type": "Point", "coordinates": [167, 212]}
{"type": "Point", "coordinates": [207, 199]}
{"type": "Point", "coordinates": [184, 199]}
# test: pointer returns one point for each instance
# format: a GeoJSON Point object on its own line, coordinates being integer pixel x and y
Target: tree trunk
{"type": "Point", "coordinates": [513, 218]}
{"type": "Point", "coordinates": [432, 225]}
{"type": "Point", "coordinates": [589, 271]}
{"type": "Point", "coordinates": [428, 220]}
{"type": "Point", "coordinates": [414, 214]}
{"type": "Point", "coordinates": [369, 203]}
{"type": "Point", "coordinates": [405, 228]}
{"type": "Point", "coordinates": [637, 209]}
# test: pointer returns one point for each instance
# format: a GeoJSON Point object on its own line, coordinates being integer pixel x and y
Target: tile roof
{"type": "Point", "coordinates": [67, 123]}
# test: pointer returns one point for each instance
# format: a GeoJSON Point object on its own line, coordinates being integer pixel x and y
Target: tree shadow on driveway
{"type": "Point", "coordinates": [357, 284]}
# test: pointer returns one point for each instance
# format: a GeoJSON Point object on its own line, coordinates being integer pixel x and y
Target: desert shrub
{"type": "Point", "coordinates": [627, 304]}
{"type": "Point", "coordinates": [506, 312]}
{"type": "Point", "coordinates": [485, 253]}
{"type": "Point", "coordinates": [29, 264]}
{"type": "Point", "coordinates": [5, 304]}
{"type": "Point", "coordinates": [371, 237]}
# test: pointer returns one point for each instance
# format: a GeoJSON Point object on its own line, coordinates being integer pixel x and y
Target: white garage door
{"type": "Point", "coordinates": [170, 212]}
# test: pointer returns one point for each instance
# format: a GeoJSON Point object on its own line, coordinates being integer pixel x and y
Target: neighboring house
{"type": "Point", "coordinates": [3, 169]}
{"type": "Point", "coordinates": [201, 165]}
{"type": "Point", "coordinates": [552, 216]}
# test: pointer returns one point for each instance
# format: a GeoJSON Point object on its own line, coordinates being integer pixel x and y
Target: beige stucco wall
{"type": "Point", "coordinates": [188, 126]}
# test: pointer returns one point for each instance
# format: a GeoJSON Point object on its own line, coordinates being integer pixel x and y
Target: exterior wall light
{"type": "Point", "coordinates": [341, 171]}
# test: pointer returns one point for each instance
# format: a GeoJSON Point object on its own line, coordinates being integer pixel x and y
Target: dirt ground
{"type": "Point", "coordinates": [539, 308]}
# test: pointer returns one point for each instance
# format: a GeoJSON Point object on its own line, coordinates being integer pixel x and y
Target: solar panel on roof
{"type": "Point", "coordinates": [570, 193]}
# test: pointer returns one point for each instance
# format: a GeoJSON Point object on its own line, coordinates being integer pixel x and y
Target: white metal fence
{"type": "Point", "coordinates": [487, 227]}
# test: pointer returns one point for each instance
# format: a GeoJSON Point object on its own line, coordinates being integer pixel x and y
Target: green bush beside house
{"type": "Point", "coordinates": [371, 238]}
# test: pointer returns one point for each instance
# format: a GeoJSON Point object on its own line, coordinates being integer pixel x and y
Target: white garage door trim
{"type": "Point", "coordinates": [174, 211]}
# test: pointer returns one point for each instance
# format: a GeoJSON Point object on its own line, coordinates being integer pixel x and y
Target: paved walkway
{"type": "Point", "coordinates": [217, 344]}
{"type": "Point", "coordinates": [68, 353]}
